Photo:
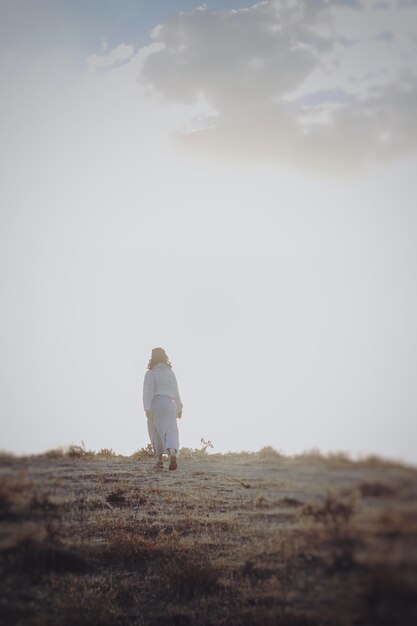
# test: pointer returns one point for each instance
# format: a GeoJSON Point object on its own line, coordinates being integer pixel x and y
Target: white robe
{"type": "Point", "coordinates": [162, 426]}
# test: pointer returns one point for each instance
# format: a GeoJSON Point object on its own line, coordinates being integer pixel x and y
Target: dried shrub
{"type": "Point", "coordinates": [374, 461]}
{"type": "Point", "coordinates": [268, 453]}
{"type": "Point", "coordinates": [72, 452]}
{"type": "Point", "coordinates": [333, 512]}
{"type": "Point", "coordinates": [290, 502]}
{"type": "Point", "coordinates": [341, 456]}
{"type": "Point", "coordinates": [205, 444]}
{"type": "Point", "coordinates": [375, 490]}
{"type": "Point", "coordinates": [55, 453]}
{"type": "Point", "coordinates": [107, 453]}
{"type": "Point", "coordinates": [117, 497]}
{"type": "Point", "coordinates": [132, 548]}
{"type": "Point", "coordinates": [92, 600]}
{"type": "Point", "coordinates": [78, 452]}
{"type": "Point", "coordinates": [42, 557]}
{"type": "Point", "coordinates": [143, 453]}
{"type": "Point", "coordinates": [261, 503]}
{"type": "Point", "coordinates": [14, 496]}
{"type": "Point", "coordinates": [42, 502]}
{"type": "Point", "coordinates": [198, 453]}
{"type": "Point", "coordinates": [193, 453]}
{"type": "Point", "coordinates": [243, 454]}
{"type": "Point", "coordinates": [338, 536]}
{"type": "Point", "coordinates": [187, 578]}
{"type": "Point", "coordinates": [7, 457]}
{"type": "Point", "coordinates": [149, 548]}
{"type": "Point", "coordinates": [311, 456]}
{"type": "Point", "coordinates": [332, 459]}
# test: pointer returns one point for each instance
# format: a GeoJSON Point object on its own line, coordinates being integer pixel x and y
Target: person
{"type": "Point", "coordinates": [162, 405]}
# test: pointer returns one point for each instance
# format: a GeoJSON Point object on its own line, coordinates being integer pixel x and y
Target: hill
{"type": "Point", "coordinates": [239, 539]}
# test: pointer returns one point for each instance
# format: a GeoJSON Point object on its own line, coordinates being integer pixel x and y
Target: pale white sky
{"type": "Point", "coordinates": [237, 187]}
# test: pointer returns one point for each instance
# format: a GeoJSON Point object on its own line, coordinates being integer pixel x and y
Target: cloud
{"type": "Point", "coordinates": [317, 84]}
{"type": "Point", "coordinates": [121, 55]}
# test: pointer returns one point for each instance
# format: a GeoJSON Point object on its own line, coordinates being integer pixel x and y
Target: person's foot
{"type": "Point", "coordinates": [173, 463]}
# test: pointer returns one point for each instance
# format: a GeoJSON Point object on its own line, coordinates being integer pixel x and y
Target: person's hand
{"type": "Point", "coordinates": [179, 415]}
{"type": "Point", "coordinates": [149, 414]}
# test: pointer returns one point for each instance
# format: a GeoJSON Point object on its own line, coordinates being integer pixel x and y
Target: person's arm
{"type": "Point", "coordinates": [148, 392]}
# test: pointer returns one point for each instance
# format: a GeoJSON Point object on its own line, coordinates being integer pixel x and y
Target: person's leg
{"type": "Point", "coordinates": [172, 439]}
{"type": "Point", "coordinates": [172, 442]}
{"type": "Point", "coordinates": [156, 441]}
{"type": "Point", "coordinates": [164, 417]}
{"type": "Point", "coordinates": [172, 458]}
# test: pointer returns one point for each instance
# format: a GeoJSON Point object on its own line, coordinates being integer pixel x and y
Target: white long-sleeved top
{"type": "Point", "coordinates": [160, 381]}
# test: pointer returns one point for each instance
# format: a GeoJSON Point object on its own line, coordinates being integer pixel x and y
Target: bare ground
{"type": "Point", "coordinates": [226, 539]}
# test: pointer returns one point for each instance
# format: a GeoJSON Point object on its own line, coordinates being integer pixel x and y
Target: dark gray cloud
{"type": "Point", "coordinates": [318, 84]}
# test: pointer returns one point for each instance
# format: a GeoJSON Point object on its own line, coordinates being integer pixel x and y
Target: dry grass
{"type": "Point", "coordinates": [249, 539]}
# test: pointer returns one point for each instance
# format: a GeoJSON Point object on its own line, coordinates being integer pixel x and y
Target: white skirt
{"type": "Point", "coordinates": [162, 426]}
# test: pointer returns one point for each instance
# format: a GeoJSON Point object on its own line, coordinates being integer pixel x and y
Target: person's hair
{"type": "Point", "coordinates": [158, 356]}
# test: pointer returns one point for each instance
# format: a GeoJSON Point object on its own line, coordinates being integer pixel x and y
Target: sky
{"type": "Point", "coordinates": [232, 181]}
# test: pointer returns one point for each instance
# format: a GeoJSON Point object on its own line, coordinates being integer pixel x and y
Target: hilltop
{"type": "Point", "coordinates": [241, 539]}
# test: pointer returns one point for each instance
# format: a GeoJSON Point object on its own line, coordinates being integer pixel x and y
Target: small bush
{"type": "Point", "coordinates": [188, 579]}
{"type": "Point", "coordinates": [375, 490]}
{"type": "Point", "coordinates": [132, 548]}
{"type": "Point", "coordinates": [290, 502]}
{"type": "Point", "coordinates": [7, 457]}
{"type": "Point", "coordinates": [42, 502]}
{"type": "Point", "coordinates": [78, 452]}
{"type": "Point", "coordinates": [333, 511]}
{"type": "Point", "coordinates": [14, 496]}
{"type": "Point", "coordinates": [312, 455]}
{"type": "Point", "coordinates": [143, 453]}
{"type": "Point", "coordinates": [375, 461]}
{"type": "Point", "coordinates": [72, 452]}
{"type": "Point", "coordinates": [43, 557]}
{"type": "Point", "coordinates": [192, 453]}
{"type": "Point", "coordinates": [117, 497]}
{"type": "Point", "coordinates": [205, 444]}
{"type": "Point", "coordinates": [268, 453]}
{"type": "Point", "coordinates": [338, 538]}
{"type": "Point", "coordinates": [107, 453]}
{"type": "Point", "coordinates": [55, 453]}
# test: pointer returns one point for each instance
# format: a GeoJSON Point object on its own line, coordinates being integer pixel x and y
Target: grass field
{"type": "Point", "coordinates": [240, 539]}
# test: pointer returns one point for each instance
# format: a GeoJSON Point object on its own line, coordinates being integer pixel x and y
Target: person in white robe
{"type": "Point", "coordinates": [163, 406]}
